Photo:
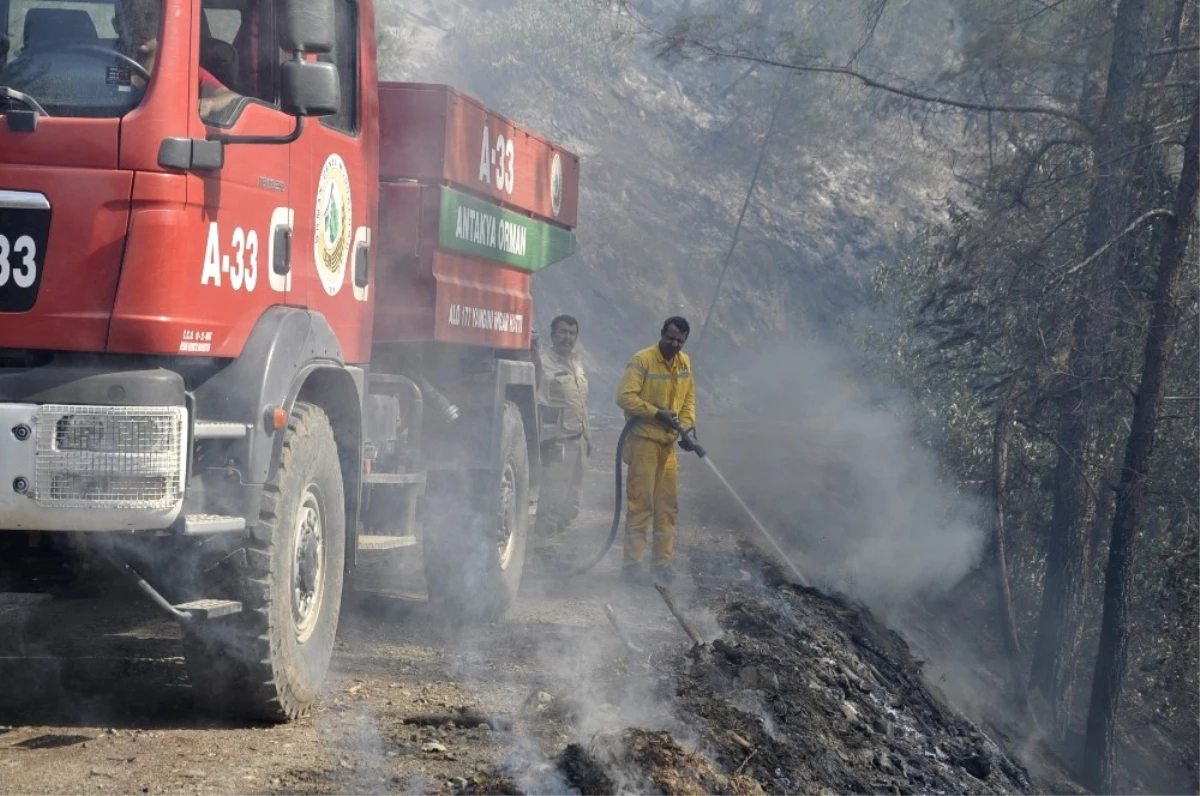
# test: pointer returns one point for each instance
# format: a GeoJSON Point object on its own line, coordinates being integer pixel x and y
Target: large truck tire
{"type": "Point", "coordinates": [268, 662]}
{"type": "Point", "coordinates": [473, 562]}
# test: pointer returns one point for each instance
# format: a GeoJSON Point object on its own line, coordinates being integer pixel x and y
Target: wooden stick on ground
{"type": "Point", "coordinates": [744, 762]}
{"type": "Point", "coordinates": [612, 619]}
{"type": "Point", "coordinates": [666, 595]}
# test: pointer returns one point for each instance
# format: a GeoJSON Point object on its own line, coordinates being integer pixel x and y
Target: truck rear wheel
{"type": "Point", "coordinates": [269, 661]}
{"type": "Point", "coordinates": [473, 562]}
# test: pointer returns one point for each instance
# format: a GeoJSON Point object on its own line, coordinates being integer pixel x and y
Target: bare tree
{"type": "Point", "coordinates": [1098, 770]}
{"type": "Point", "coordinates": [1012, 642]}
{"type": "Point", "coordinates": [1056, 646]}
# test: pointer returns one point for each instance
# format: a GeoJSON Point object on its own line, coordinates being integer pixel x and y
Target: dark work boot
{"type": "Point", "coordinates": [664, 575]}
{"type": "Point", "coordinates": [633, 573]}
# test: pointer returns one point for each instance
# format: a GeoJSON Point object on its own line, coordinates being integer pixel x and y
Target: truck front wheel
{"type": "Point", "coordinates": [269, 661]}
{"type": "Point", "coordinates": [473, 561]}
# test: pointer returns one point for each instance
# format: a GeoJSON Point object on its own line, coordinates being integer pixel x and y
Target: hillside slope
{"type": "Point", "coordinates": [668, 150]}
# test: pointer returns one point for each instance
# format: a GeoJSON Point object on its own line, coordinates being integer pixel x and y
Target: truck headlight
{"type": "Point", "coordinates": [120, 457]}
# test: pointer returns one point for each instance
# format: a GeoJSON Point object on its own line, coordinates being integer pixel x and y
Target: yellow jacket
{"type": "Point", "coordinates": [651, 383]}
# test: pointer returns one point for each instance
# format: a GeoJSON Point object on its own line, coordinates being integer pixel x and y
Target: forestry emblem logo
{"type": "Point", "coordinates": [556, 184]}
{"type": "Point", "coordinates": [331, 241]}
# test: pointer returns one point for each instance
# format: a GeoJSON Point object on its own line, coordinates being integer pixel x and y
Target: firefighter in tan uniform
{"type": "Point", "coordinates": [659, 389]}
{"type": "Point", "coordinates": [563, 405]}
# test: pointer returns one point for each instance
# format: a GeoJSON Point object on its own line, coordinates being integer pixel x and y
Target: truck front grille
{"type": "Point", "coordinates": [119, 457]}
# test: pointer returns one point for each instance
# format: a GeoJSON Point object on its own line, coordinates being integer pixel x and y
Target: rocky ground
{"type": "Point", "coordinates": [789, 690]}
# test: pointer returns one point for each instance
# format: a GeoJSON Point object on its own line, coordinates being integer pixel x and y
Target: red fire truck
{"type": "Point", "coordinates": [262, 318]}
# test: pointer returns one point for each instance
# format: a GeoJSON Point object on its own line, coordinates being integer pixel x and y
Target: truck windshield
{"type": "Point", "coordinates": [80, 58]}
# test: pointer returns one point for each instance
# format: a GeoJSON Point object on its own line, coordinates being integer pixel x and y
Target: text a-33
{"type": "Point", "coordinates": [242, 269]}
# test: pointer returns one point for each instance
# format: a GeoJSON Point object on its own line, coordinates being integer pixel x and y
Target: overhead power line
{"type": "Point", "coordinates": [762, 153]}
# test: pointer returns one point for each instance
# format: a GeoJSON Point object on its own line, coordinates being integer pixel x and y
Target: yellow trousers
{"type": "Point", "coordinates": [652, 489]}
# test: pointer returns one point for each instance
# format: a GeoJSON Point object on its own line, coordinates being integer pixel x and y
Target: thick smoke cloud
{"type": "Point", "coordinates": [840, 477]}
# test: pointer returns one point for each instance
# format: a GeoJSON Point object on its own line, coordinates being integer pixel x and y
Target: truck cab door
{"type": "Point", "coordinates": [335, 185]}
{"type": "Point", "coordinates": [248, 217]}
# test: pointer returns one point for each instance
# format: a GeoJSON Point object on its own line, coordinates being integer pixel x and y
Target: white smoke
{"type": "Point", "coordinates": [840, 478]}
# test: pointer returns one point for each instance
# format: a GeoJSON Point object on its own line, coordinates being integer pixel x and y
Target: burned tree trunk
{"type": "Point", "coordinates": [1056, 645]}
{"type": "Point", "coordinates": [1099, 745]}
{"type": "Point", "coordinates": [1012, 643]}
{"type": "Point", "coordinates": [1102, 517]}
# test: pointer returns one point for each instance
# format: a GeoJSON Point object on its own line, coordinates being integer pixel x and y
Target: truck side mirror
{"type": "Point", "coordinates": [306, 88]}
{"type": "Point", "coordinates": [309, 88]}
{"type": "Point", "coordinates": [306, 26]}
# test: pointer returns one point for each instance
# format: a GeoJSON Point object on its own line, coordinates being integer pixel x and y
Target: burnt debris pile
{"type": "Point", "coordinates": [802, 692]}
{"type": "Point", "coordinates": [806, 692]}
{"type": "Point", "coordinates": [632, 760]}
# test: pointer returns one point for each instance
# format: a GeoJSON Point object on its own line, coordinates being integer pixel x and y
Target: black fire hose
{"type": "Point", "coordinates": [690, 445]}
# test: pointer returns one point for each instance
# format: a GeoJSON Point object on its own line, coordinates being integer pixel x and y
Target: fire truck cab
{"type": "Point", "coordinates": [262, 317]}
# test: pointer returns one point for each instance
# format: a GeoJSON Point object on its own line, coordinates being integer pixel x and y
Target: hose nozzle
{"type": "Point", "coordinates": [687, 438]}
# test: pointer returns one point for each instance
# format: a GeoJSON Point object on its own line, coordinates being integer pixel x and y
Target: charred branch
{"type": "Point", "coordinates": [666, 595]}
{"type": "Point", "coordinates": [678, 42]}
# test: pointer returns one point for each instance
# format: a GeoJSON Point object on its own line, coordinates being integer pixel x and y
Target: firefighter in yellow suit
{"type": "Point", "coordinates": [657, 387]}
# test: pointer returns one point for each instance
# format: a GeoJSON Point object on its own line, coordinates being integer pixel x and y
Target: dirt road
{"type": "Point", "coordinates": [800, 692]}
{"type": "Point", "coordinates": [94, 697]}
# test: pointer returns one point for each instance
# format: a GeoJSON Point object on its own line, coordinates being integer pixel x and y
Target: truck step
{"type": "Point", "coordinates": [215, 429]}
{"type": "Point", "coordinates": [210, 609]}
{"type": "Point", "coordinates": [385, 542]}
{"type": "Point", "coordinates": [394, 479]}
{"type": "Point", "coordinates": [203, 524]}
